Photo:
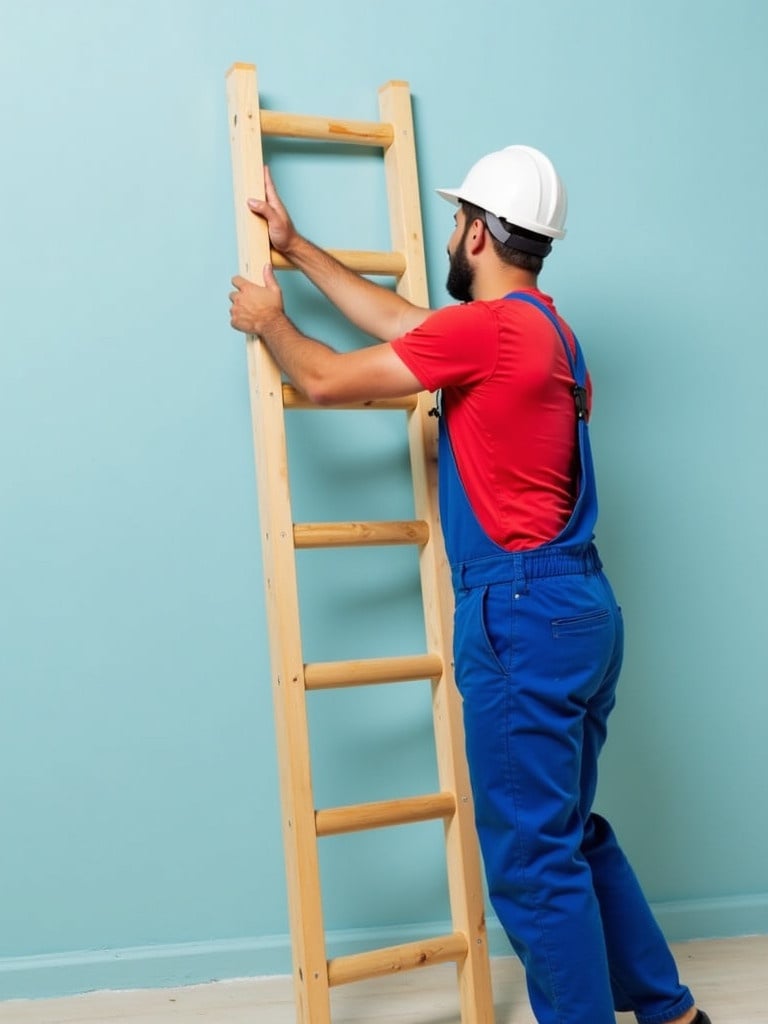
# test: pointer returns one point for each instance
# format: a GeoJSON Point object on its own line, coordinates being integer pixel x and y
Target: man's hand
{"type": "Point", "coordinates": [255, 309]}
{"type": "Point", "coordinates": [282, 233]}
{"type": "Point", "coordinates": [376, 310]}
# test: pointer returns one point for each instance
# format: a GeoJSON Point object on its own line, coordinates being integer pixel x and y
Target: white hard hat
{"type": "Point", "coordinates": [518, 184]}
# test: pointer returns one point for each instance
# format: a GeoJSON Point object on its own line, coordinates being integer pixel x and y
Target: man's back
{"type": "Point", "coordinates": [508, 403]}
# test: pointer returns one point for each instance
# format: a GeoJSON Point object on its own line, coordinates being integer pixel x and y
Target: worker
{"type": "Point", "coordinates": [538, 636]}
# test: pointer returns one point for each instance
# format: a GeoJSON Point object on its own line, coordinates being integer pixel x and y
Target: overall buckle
{"type": "Point", "coordinates": [580, 398]}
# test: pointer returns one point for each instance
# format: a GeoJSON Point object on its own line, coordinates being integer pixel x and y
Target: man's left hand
{"type": "Point", "coordinates": [254, 308]}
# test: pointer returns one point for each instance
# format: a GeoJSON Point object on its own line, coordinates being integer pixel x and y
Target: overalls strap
{"type": "Point", "coordinates": [577, 366]}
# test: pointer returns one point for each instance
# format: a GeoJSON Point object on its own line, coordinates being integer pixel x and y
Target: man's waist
{"type": "Point", "coordinates": [519, 566]}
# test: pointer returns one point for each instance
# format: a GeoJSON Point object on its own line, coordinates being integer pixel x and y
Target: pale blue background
{"type": "Point", "coordinates": [138, 794]}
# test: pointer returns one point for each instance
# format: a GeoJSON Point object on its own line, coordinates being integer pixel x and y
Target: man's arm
{"type": "Point", "coordinates": [377, 311]}
{"type": "Point", "coordinates": [326, 377]}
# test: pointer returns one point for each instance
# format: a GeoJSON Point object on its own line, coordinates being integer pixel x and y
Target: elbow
{"type": "Point", "coordinates": [320, 392]}
{"type": "Point", "coordinates": [325, 381]}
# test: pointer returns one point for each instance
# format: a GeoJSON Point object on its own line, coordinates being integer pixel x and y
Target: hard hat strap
{"type": "Point", "coordinates": [512, 240]}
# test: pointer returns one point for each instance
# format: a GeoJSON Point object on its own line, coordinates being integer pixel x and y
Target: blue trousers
{"type": "Point", "coordinates": [537, 666]}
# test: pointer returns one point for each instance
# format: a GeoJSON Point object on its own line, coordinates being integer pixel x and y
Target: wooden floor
{"type": "Point", "coordinates": [729, 978]}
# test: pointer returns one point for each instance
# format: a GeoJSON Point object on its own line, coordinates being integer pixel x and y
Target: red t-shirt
{"type": "Point", "coordinates": [509, 409]}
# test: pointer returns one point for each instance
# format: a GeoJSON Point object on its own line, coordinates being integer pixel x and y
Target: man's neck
{"type": "Point", "coordinates": [497, 282]}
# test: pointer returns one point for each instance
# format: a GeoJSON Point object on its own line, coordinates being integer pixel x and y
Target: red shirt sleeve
{"type": "Point", "coordinates": [455, 346]}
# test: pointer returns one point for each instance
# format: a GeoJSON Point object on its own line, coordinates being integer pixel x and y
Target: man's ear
{"type": "Point", "coordinates": [477, 236]}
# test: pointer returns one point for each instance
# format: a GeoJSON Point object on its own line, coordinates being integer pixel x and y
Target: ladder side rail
{"type": "Point", "coordinates": [289, 695]}
{"type": "Point", "coordinates": [463, 860]}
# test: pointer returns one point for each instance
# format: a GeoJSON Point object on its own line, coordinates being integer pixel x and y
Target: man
{"type": "Point", "coordinates": [538, 636]}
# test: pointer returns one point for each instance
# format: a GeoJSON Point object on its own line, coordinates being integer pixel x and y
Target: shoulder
{"type": "Point", "coordinates": [456, 345]}
{"type": "Point", "coordinates": [460, 318]}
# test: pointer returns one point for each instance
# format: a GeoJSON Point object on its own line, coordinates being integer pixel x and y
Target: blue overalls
{"type": "Point", "coordinates": [538, 643]}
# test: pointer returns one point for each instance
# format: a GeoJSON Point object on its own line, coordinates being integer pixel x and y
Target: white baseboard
{"type": "Point", "coordinates": [192, 963]}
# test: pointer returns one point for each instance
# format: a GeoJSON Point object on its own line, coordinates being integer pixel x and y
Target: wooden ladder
{"type": "Point", "coordinates": [466, 944]}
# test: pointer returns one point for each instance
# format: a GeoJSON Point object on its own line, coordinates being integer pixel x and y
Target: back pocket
{"type": "Point", "coordinates": [579, 624]}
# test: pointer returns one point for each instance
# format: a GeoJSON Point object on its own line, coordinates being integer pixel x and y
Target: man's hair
{"type": "Point", "coordinates": [513, 257]}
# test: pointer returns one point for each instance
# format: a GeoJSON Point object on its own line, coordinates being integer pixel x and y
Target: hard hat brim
{"type": "Point", "coordinates": [451, 194]}
{"type": "Point", "coordinates": [455, 196]}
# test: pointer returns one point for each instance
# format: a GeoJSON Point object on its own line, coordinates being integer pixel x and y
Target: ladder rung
{"type": "Point", "coordinates": [388, 264]}
{"type": "Point", "coordinates": [383, 814]}
{"type": "Point", "coordinates": [379, 962]}
{"type": "Point", "coordinates": [293, 399]}
{"type": "Point", "coordinates": [347, 535]}
{"type": "Point", "coordinates": [303, 126]}
{"type": "Point", "coordinates": [327, 675]}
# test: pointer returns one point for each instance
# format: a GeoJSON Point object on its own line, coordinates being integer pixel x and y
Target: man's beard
{"type": "Point", "coordinates": [460, 274]}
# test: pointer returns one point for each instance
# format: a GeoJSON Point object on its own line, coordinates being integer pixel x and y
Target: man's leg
{"type": "Point", "coordinates": [526, 683]}
{"type": "Point", "coordinates": [643, 973]}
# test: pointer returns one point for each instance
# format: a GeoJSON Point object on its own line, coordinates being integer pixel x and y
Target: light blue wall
{"type": "Point", "coordinates": [138, 794]}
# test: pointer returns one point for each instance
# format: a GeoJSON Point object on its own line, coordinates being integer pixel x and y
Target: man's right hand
{"type": "Point", "coordinates": [376, 310]}
{"type": "Point", "coordinates": [282, 233]}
